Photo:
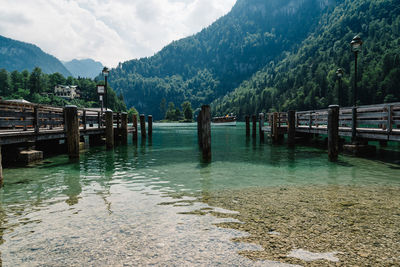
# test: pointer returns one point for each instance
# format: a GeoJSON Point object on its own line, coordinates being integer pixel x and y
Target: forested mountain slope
{"type": "Point", "coordinates": [305, 78]}
{"type": "Point", "coordinates": [20, 56]}
{"type": "Point", "coordinates": [206, 66]}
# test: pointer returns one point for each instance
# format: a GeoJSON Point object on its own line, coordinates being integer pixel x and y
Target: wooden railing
{"type": "Point", "coordinates": [382, 119]}
{"type": "Point", "coordinates": [16, 116]}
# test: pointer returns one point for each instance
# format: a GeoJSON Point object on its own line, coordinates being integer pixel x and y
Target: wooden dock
{"type": "Point", "coordinates": [362, 124]}
{"type": "Point", "coordinates": [26, 123]}
{"type": "Point", "coordinates": [374, 122]}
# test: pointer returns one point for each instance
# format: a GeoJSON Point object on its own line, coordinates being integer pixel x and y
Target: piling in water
{"type": "Point", "coordinates": [72, 127]}
{"type": "Point", "coordinates": [143, 126]}
{"type": "Point", "coordinates": [275, 134]}
{"type": "Point", "coordinates": [260, 126]}
{"type": "Point", "coordinates": [109, 130]}
{"type": "Point", "coordinates": [254, 119]}
{"type": "Point", "coordinates": [333, 132]}
{"type": "Point", "coordinates": [247, 126]}
{"type": "Point", "coordinates": [135, 128]}
{"type": "Point", "coordinates": [199, 131]}
{"type": "Point", "coordinates": [291, 127]}
{"type": "Point", "coordinates": [150, 125]}
{"type": "Point", "coordinates": [124, 128]}
{"type": "Point", "coordinates": [206, 132]}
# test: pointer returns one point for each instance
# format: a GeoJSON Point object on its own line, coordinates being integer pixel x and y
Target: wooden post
{"type": "Point", "coordinates": [124, 128]}
{"type": "Point", "coordinates": [333, 132]}
{"type": "Point", "coordinates": [206, 132]}
{"type": "Point", "coordinates": [118, 120]}
{"type": "Point", "coordinates": [260, 127]}
{"type": "Point", "coordinates": [135, 132]}
{"type": "Point", "coordinates": [291, 127]}
{"type": "Point", "coordinates": [99, 120]}
{"type": "Point", "coordinates": [254, 119]}
{"type": "Point", "coordinates": [389, 126]}
{"type": "Point", "coordinates": [84, 119]}
{"type": "Point", "coordinates": [247, 125]}
{"type": "Point", "coordinates": [1, 171]}
{"type": "Point", "coordinates": [72, 124]}
{"type": "Point", "coordinates": [199, 130]}
{"type": "Point", "coordinates": [109, 130]}
{"type": "Point", "coordinates": [36, 122]}
{"type": "Point", "coordinates": [24, 118]}
{"type": "Point", "coordinates": [275, 127]}
{"type": "Point", "coordinates": [150, 125]}
{"type": "Point", "coordinates": [143, 125]}
{"type": "Point", "coordinates": [354, 125]}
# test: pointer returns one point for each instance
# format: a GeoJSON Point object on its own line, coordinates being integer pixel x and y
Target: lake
{"type": "Point", "coordinates": [156, 203]}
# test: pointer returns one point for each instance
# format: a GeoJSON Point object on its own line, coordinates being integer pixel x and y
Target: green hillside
{"type": "Point", "coordinates": [212, 63]}
{"type": "Point", "coordinates": [305, 78]}
{"type": "Point", "coordinates": [20, 56]}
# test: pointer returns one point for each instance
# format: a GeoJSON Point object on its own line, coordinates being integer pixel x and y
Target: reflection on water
{"type": "Point", "coordinates": [104, 209]}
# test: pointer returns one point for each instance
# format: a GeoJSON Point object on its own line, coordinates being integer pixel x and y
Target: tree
{"type": "Point", "coordinates": [163, 106]}
{"type": "Point", "coordinates": [35, 83]}
{"type": "Point", "coordinates": [187, 111]}
{"type": "Point", "coordinates": [4, 83]}
{"type": "Point", "coordinates": [132, 111]}
{"type": "Point", "coordinates": [170, 114]}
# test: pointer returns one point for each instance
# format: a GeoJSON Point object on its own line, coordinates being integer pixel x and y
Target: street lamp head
{"type": "Point", "coordinates": [339, 73]}
{"type": "Point", "coordinates": [105, 71]}
{"type": "Point", "coordinates": [356, 44]}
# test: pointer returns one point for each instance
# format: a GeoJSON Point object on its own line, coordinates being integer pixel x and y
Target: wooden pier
{"type": "Point", "coordinates": [362, 124]}
{"type": "Point", "coordinates": [26, 124]}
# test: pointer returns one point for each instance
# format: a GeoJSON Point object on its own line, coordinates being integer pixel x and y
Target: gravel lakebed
{"type": "Point", "coordinates": [330, 225]}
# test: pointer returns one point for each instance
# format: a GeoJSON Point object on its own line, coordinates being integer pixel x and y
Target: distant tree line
{"type": "Point", "coordinates": [38, 87]}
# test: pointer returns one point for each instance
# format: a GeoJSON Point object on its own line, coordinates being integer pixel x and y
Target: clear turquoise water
{"type": "Point", "coordinates": [103, 210]}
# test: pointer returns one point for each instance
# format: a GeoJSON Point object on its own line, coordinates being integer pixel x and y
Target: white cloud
{"type": "Point", "coordinates": [105, 30]}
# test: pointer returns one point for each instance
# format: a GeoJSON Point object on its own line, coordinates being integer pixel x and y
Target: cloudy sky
{"type": "Point", "coordinates": [104, 30]}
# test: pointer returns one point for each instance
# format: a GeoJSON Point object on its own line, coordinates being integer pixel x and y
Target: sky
{"type": "Point", "coordinates": [104, 30]}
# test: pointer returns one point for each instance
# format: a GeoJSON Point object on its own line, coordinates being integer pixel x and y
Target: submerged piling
{"type": "Point", "coordinates": [72, 127]}
{"type": "Point", "coordinates": [333, 132]}
{"type": "Point", "coordinates": [135, 131]}
{"type": "Point", "coordinates": [275, 134]}
{"type": "Point", "coordinates": [124, 128]}
{"type": "Point", "coordinates": [206, 132]}
{"type": "Point", "coordinates": [247, 126]}
{"type": "Point", "coordinates": [291, 127]}
{"type": "Point", "coordinates": [260, 127]}
{"type": "Point", "coordinates": [199, 130]}
{"type": "Point", "coordinates": [150, 125]}
{"type": "Point", "coordinates": [109, 130]}
{"type": "Point", "coordinates": [254, 119]}
{"type": "Point", "coordinates": [143, 126]}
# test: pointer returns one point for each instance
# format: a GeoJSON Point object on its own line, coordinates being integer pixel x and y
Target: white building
{"type": "Point", "coordinates": [67, 92]}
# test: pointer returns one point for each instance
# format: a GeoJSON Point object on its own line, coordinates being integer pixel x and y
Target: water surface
{"type": "Point", "coordinates": [157, 203]}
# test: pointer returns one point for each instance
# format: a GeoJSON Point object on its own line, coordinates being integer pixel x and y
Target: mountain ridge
{"type": "Point", "coordinates": [17, 55]}
{"type": "Point", "coordinates": [213, 62]}
{"type": "Point", "coordinates": [87, 68]}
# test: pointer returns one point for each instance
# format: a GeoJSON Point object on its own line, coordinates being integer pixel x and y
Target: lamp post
{"type": "Point", "coordinates": [339, 75]}
{"type": "Point", "coordinates": [356, 44]}
{"type": "Point", "coordinates": [100, 92]}
{"type": "Point", "coordinates": [105, 73]}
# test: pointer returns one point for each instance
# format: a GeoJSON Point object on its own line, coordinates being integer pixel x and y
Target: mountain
{"type": "Point", "coordinates": [87, 68]}
{"type": "Point", "coordinates": [16, 55]}
{"type": "Point", "coordinates": [306, 77]}
{"type": "Point", "coordinates": [214, 62]}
